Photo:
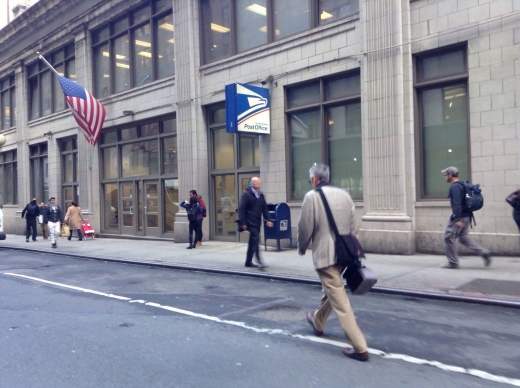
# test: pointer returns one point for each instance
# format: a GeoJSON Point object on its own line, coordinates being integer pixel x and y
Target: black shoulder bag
{"type": "Point", "coordinates": [359, 278]}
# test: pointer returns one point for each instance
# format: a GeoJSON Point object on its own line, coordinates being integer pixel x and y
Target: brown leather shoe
{"type": "Point", "coordinates": [355, 356]}
{"type": "Point", "coordinates": [310, 319]}
{"type": "Point", "coordinates": [199, 243]}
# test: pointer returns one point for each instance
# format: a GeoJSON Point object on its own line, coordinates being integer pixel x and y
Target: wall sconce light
{"type": "Point", "coordinates": [128, 112]}
{"type": "Point", "coordinates": [48, 134]}
{"type": "Point", "coordinates": [267, 80]}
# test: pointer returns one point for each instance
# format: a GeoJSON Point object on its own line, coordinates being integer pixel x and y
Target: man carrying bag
{"type": "Point", "coordinates": [314, 227]}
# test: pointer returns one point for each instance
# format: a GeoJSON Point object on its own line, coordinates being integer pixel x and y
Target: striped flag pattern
{"type": "Point", "coordinates": [88, 112]}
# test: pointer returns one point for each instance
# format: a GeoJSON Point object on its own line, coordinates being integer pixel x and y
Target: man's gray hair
{"type": "Point", "coordinates": [320, 171]}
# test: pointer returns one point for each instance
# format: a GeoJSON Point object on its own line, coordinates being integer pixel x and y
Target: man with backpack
{"type": "Point", "coordinates": [200, 201]}
{"type": "Point", "coordinates": [462, 205]}
{"type": "Point", "coordinates": [31, 213]}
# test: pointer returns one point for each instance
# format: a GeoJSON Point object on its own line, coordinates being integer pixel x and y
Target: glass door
{"type": "Point", "coordinates": [127, 208]}
{"type": "Point", "coordinates": [150, 217]}
{"type": "Point", "coordinates": [244, 182]}
{"type": "Point", "coordinates": [225, 206]}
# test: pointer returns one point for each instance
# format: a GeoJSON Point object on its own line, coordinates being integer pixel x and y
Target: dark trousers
{"type": "Point", "coordinates": [195, 227]}
{"type": "Point", "coordinates": [80, 235]}
{"type": "Point", "coordinates": [30, 223]}
{"type": "Point", "coordinates": [201, 235]}
{"type": "Point", "coordinates": [253, 244]}
{"type": "Point", "coordinates": [516, 217]}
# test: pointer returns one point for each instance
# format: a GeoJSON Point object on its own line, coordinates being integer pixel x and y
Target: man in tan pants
{"type": "Point", "coordinates": [313, 227]}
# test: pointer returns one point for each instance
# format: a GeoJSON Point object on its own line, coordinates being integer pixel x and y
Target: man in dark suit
{"type": "Point", "coordinates": [31, 213]}
{"type": "Point", "coordinates": [252, 207]}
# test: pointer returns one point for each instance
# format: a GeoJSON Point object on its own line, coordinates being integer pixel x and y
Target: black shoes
{"type": "Point", "coordinates": [26, 240]}
{"type": "Point", "coordinates": [355, 356]}
{"type": "Point", "coordinates": [191, 246]}
{"type": "Point", "coordinates": [54, 245]}
{"type": "Point", "coordinates": [68, 238]}
{"type": "Point", "coordinates": [450, 266]}
{"type": "Point", "coordinates": [487, 259]}
{"type": "Point", "coordinates": [251, 265]}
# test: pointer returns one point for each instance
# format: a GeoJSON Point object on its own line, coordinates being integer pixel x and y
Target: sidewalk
{"type": "Point", "coordinates": [421, 273]}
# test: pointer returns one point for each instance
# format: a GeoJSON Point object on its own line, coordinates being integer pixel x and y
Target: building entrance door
{"type": "Point", "coordinates": [244, 182]}
{"type": "Point", "coordinates": [140, 208]}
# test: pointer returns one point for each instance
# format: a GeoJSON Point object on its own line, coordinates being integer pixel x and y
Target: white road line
{"type": "Point", "coordinates": [394, 356]}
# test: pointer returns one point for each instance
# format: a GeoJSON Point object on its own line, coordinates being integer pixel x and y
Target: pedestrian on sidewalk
{"type": "Point", "coordinates": [53, 217]}
{"type": "Point", "coordinates": [44, 227]}
{"type": "Point", "coordinates": [514, 200]}
{"type": "Point", "coordinates": [251, 208]}
{"type": "Point", "coordinates": [459, 222]}
{"type": "Point", "coordinates": [314, 228]}
{"type": "Point", "coordinates": [200, 201]}
{"type": "Point", "coordinates": [194, 211]}
{"type": "Point", "coordinates": [31, 212]}
{"type": "Point", "coordinates": [74, 219]}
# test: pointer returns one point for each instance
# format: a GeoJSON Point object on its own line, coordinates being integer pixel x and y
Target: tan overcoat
{"type": "Point", "coordinates": [74, 217]}
{"type": "Point", "coordinates": [313, 225]}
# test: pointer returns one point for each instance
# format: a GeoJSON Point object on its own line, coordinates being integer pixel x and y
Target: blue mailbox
{"type": "Point", "coordinates": [280, 215]}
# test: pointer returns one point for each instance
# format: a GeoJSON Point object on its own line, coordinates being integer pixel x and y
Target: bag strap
{"type": "Point", "coordinates": [332, 223]}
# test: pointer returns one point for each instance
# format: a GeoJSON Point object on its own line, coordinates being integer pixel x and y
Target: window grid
{"type": "Point", "coordinates": [272, 20]}
{"type": "Point", "coordinates": [39, 172]}
{"type": "Point", "coordinates": [317, 124]}
{"type": "Point", "coordinates": [7, 103]}
{"type": "Point", "coordinates": [45, 94]}
{"type": "Point", "coordinates": [134, 49]}
{"type": "Point", "coordinates": [442, 140]}
{"type": "Point", "coordinates": [8, 178]}
{"type": "Point", "coordinates": [69, 169]}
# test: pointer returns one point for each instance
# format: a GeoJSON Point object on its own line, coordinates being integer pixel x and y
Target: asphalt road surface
{"type": "Point", "coordinates": [67, 322]}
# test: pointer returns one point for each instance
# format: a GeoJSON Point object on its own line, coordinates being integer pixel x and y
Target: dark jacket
{"type": "Point", "coordinates": [251, 209]}
{"type": "Point", "coordinates": [193, 215]}
{"type": "Point", "coordinates": [36, 211]}
{"type": "Point", "coordinates": [456, 197]}
{"type": "Point", "coordinates": [50, 215]}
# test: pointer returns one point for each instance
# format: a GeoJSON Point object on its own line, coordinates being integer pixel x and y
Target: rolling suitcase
{"type": "Point", "coordinates": [87, 230]}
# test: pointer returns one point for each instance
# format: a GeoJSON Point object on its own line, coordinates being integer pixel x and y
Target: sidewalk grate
{"type": "Point", "coordinates": [492, 287]}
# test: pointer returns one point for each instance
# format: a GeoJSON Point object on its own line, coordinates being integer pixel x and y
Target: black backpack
{"type": "Point", "coordinates": [32, 210]}
{"type": "Point", "coordinates": [193, 213]}
{"type": "Point", "coordinates": [473, 199]}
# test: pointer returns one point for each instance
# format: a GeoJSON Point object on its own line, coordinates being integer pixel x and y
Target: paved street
{"type": "Point", "coordinates": [82, 323]}
{"type": "Point", "coordinates": [418, 272]}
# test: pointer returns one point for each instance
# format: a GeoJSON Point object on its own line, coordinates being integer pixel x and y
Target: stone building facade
{"type": "Point", "coordinates": [386, 92]}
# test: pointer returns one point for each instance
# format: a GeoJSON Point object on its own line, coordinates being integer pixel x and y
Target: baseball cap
{"type": "Point", "coordinates": [451, 170]}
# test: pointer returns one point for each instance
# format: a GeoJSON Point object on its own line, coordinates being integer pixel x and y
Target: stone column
{"type": "Point", "coordinates": [191, 128]}
{"type": "Point", "coordinates": [22, 150]}
{"type": "Point", "coordinates": [387, 225]}
{"type": "Point", "coordinates": [88, 160]}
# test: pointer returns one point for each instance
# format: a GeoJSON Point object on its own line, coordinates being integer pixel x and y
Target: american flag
{"type": "Point", "coordinates": [88, 112]}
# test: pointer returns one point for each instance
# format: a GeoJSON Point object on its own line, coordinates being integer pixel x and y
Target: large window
{"type": "Point", "coordinates": [45, 94]}
{"type": "Point", "coordinates": [235, 159]}
{"type": "Point", "coordinates": [39, 172]}
{"type": "Point", "coordinates": [324, 123]}
{"type": "Point", "coordinates": [8, 178]}
{"type": "Point", "coordinates": [69, 171]}
{"type": "Point", "coordinates": [7, 103]}
{"type": "Point", "coordinates": [134, 161]}
{"type": "Point", "coordinates": [233, 26]}
{"type": "Point", "coordinates": [441, 85]}
{"type": "Point", "coordinates": [135, 49]}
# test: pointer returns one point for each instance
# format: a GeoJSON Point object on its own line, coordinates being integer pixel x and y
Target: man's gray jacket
{"type": "Point", "coordinates": [313, 226]}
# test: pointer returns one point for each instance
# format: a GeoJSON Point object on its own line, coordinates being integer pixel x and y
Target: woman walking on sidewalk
{"type": "Point", "coordinates": [195, 215]}
{"type": "Point", "coordinates": [74, 218]}
{"type": "Point", "coordinates": [514, 201]}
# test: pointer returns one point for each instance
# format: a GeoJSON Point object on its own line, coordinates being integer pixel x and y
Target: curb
{"type": "Point", "coordinates": [285, 278]}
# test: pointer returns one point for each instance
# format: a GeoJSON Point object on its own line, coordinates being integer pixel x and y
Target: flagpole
{"type": "Point", "coordinates": [48, 64]}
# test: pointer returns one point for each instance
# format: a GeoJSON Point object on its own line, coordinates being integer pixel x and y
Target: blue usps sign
{"type": "Point", "coordinates": [247, 109]}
